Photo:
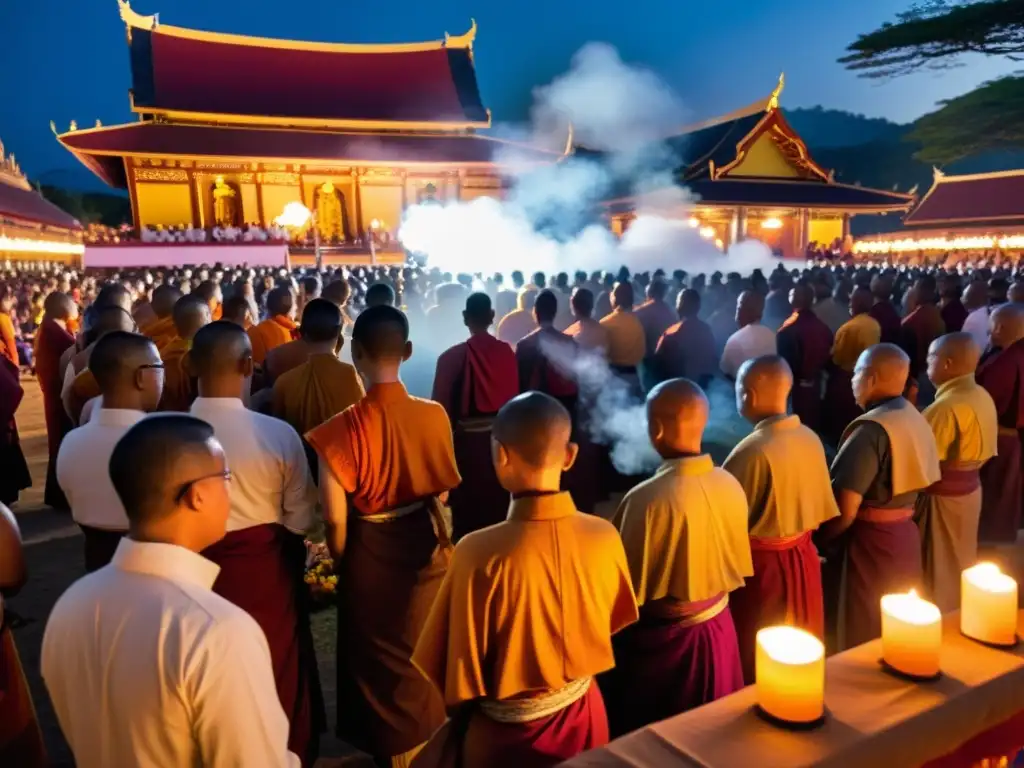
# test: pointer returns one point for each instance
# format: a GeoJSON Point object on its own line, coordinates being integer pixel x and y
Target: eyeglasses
{"type": "Point", "coordinates": [151, 366]}
{"type": "Point", "coordinates": [225, 475]}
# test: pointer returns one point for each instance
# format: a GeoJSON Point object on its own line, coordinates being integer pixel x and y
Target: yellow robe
{"type": "Point", "coordinates": [316, 391]}
{"type": "Point", "coordinates": [685, 532]}
{"type": "Point", "coordinates": [161, 331]}
{"type": "Point", "coordinates": [784, 473]}
{"type": "Point", "coordinates": [178, 390]}
{"type": "Point", "coordinates": [965, 424]}
{"type": "Point", "coordinates": [627, 343]}
{"type": "Point", "coordinates": [272, 332]}
{"type": "Point", "coordinates": [853, 337]}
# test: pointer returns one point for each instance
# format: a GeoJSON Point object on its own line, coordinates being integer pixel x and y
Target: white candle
{"type": "Point", "coordinates": [790, 671]}
{"type": "Point", "coordinates": [988, 605]}
{"type": "Point", "coordinates": [911, 634]}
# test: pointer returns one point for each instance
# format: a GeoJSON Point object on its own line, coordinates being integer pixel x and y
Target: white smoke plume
{"type": "Point", "coordinates": [548, 223]}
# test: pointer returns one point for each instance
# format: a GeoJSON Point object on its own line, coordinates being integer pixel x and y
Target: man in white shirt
{"type": "Point", "coordinates": [146, 666]}
{"type": "Point", "coordinates": [273, 505]}
{"type": "Point", "coordinates": [752, 339]}
{"type": "Point", "coordinates": [130, 376]}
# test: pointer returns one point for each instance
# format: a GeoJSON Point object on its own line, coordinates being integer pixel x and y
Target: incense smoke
{"type": "Point", "coordinates": [549, 222]}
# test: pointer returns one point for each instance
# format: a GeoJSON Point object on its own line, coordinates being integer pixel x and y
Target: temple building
{"type": "Point", "coordinates": [31, 227]}
{"type": "Point", "coordinates": [354, 132]}
{"type": "Point", "coordinates": [969, 212]}
{"type": "Point", "coordinates": [752, 176]}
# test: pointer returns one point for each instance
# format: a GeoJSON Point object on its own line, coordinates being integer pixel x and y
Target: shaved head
{"type": "Point", "coordinates": [801, 297]}
{"type": "Point", "coordinates": [1016, 293]}
{"type": "Point", "coordinates": [1007, 325]}
{"type": "Point", "coordinates": [535, 428]}
{"type": "Point", "coordinates": [881, 287]}
{"type": "Point", "coordinates": [975, 295]}
{"type": "Point", "coordinates": [952, 356]}
{"type": "Point", "coordinates": [622, 295]}
{"type": "Point", "coordinates": [762, 387]}
{"type": "Point", "coordinates": [191, 312]}
{"type": "Point", "coordinates": [478, 312]}
{"type": "Point", "coordinates": [220, 348]}
{"type": "Point", "coordinates": [749, 308]}
{"type": "Point", "coordinates": [381, 333]}
{"type": "Point", "coordinates": [337, 293]}
{"type": "Point", "coordinates": [280, 302]}
{"type": "Point", "coordinates": [114, 295]}
{"type": "Point", "coordinates": [657, 290]}
{"type": "Point", "coordinates": [236, 310]}
{"type": "Point", "coordinates": [60, 306]}
{"type": "Point", "coordinates": [107, 319]}
{"type": "Point", "coordinates": [321, 321]}
{"type": "Point", "coordinates": [861, 301]}
{"type": "Point", "coordinates": [380, 295]}
{"type": "Point", "coordinates": [677, 412]}
{"type": "Point", "coordinates": [881, 372]}
{"type": "Point", "coordinates": [208, 290]}
{"type": "Point", "coordinates": [582, 302]}
{"type": "Point", "coordinates": [165, 296]}
{"type": "Point", "coordinates": [118, 355]}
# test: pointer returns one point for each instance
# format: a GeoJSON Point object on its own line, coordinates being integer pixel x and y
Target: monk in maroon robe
{"type": "Point", "coordinates": [920, 328]}
{"type": "Point", "coordinates": [14, 475]}
{"type": "Point", "coordinates": [472, 381]}
{"type": "Point", "coordinates": [883, 310]}
{"type": "Point", "coordinates": [805, 342]}
{"type": "Point", "coordinates": [52, 339]}
{"type": "Point", "coordinates": [954, 313]}
{"type": "Point", "coordinates": [1002, 374]}
{"type": "Point", "coordinates": [687, 349]}
{"type": "Point", "coordinates": [886, 458]}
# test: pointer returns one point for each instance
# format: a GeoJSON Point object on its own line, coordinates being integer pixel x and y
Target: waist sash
{"type": "Point", "coordinates": [440, 517]}
{"type": "Point", "coordinates": [880, 515]}
{"type": "Point", "coordinates": [475, 424]}
{"type": "Point", "coordinates": [687, 614]}
{"type": "Point", "coordinates": [527, 710]}
{"type": "Point", "coordinates": [1008, 432]}
{"type": "Point", "coordinates": [956, 481]}
{"type": "Point", "coordinates": [777, 544]}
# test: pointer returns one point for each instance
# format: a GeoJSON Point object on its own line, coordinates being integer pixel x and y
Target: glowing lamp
{"type": "Point", "coordinates": [911, 634]}
{"type": "Point", "coordinates": [790, 671]}
{"type": "Point", "coordinates": [771, 223]}
{"type": "Point", "coordinates": [707, 232]}
{"type": "Point", "coordinates": [294, 215]}
{"type": "Point", "coordinates": [694, 222]}
{"type": "Point", "coordinates": [988, 605]}
{"type": "Point", "coordinates": [375, 224]}
{"type": "Point", "coordinates": [26, 245]}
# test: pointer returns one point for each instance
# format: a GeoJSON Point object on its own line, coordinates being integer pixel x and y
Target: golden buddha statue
{"type": "Point", "coordinates": [329, 219]}
{"type": "Point", "coordinates": [224, 204]}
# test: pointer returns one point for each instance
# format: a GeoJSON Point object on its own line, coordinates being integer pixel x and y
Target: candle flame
{"type": "Point", "coordinates": [911, 608]}
{"type": "Point", "coordinates": [989, 577]}
{"type": "Point", "coordinates": [790, 645]}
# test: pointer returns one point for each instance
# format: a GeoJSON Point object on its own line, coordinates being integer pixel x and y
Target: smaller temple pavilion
{"type": "Point", "coordinates": [31, 227]}
{"type": "Point", "coordinates": [753, 177]}
{"type": "Point", "coordinates": [354, 132]}
{"type": "Point", "coordinates": [970, 212]}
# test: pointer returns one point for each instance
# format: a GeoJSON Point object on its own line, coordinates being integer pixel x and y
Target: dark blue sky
{"type": "Point", "coordinates": [67, 59]}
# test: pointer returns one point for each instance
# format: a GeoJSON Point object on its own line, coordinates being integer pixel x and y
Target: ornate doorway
{"type": "Point", "coordinates": [331, 213]}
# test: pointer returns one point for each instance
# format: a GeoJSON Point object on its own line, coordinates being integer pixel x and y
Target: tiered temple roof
{"type": "Point", "coordinates": [989, 200]}
{"type": "Point", "coordinates": [724, 161]}
{"type": "Point", "coordinates": [220, 97]}
{"type": "Point", "coordinates": [22, 205]}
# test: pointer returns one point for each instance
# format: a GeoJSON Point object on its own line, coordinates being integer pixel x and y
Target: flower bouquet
{"type": "Point", "coordinates": [320, 576]}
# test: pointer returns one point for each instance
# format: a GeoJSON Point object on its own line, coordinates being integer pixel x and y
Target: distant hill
{"type": "Point", "coordinates": [108, 208]}
{"type": "Point", "coordinates": [827, 128]}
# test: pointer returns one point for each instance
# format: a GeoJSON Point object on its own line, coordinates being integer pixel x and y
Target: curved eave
{"type": "Point", "coordinates": [27, 207]}
{"type": "Point", "coordinates": [971, 200]}
{"type": "Point", "coordinates": [134, 20]}
{"type": "Point", "coordinates": [774, 122]}
{"type": "Point", "coordinates": [313, 122]}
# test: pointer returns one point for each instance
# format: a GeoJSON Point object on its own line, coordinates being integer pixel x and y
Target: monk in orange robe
{"type": "Point", "coordinates": [473, 380]}
{"type": "Point", "coordinates": [53, 338]}
{"type": "Point", "coordinates": [784, 474]}
{"type": "Point", "coordinates": [190, 314]}
{"type": "Point", "coordinates": [8, 340]}
{"type": "Point", "coordinates": [279, 327]}
{"type": "Point", "coordinates": [161, 329]}
{"type": "Point", "coordinates": [294, 353]}
{"type": "Point", "coordinates": [386, 466]}
{"type": "Point", "coordinates": [521, 688]}
{"type": "Point", "coordinates": [323, 386]}
{"type": "Point", "coordinates": [886, 458]}
{"type": "Point", "coordinates": [21, 741]}
{"type": "Point", "coordinates": [517, 324]}
{"type": "Point", "coordinates": [83, 386]}
{"type": "Point", "coordinates": [236, 310]}
{"type": "Point", "coordinates": [210, 292]}
{"type": "Point", "coordinates": [685, 535]}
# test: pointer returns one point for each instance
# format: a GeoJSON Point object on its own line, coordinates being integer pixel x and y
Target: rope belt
{"type": "Point", "coordinates": [390, 515]}
{"type": "Point", "coordinates": [483, 424]}
{"type": "Point", "coordinates": [527, 710]}
{"type": "Point", "coordinates": [440, 517]}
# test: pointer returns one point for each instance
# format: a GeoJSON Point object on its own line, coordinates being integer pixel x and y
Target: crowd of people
{"type": "Point", "coordinates": [509, 594]}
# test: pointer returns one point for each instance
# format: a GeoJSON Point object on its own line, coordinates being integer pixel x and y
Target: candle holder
{"type": "Point", "coordinates": [997, 646]}
{"type": "Point", "coordinates": [788, 725]}
{"type": "Point", "coordinates": [889, 669]}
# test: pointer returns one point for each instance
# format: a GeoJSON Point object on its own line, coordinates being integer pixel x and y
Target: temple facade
{"type": "Point", "coordinates": [353, 132]}
{"type": "Point", "coordinates": [751, 175]}
{"type": "Point", "coordinates": [966, 212]}
{"type": "Point", "coordinates": [31, 227]}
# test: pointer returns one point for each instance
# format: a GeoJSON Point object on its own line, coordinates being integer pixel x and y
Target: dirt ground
{"type": "Point", "coordinates": [53, 549]}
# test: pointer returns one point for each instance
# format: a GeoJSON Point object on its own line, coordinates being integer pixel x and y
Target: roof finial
{"type": "Point", "coordinates": [133, 19]}
{"type": "Point", "coordinates": [569, 141]}
{"type": "Point", "coordinates": [461, 41]}
{"type": "Point", "coordinates": [773, 101]}
{"type": "Point", "coordinates": [937, 175]}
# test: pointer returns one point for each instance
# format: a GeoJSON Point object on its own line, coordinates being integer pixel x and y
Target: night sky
{"type": "Point", "coordinates": [67, 59]}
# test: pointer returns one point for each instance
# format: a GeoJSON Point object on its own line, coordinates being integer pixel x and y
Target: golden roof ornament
{"type": "Point", "coordinates": [133, 19]}
{"type": "Point", "coordinates": [461, 41]}
{"type": "Point", "coordinates": [73, 126]}
{"type": "Point", "coordinates": [937, 175]}
{"type": "Point", "coordinates": [773, 100]}
{"type": "Point", "coordinates": [99, 123]}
